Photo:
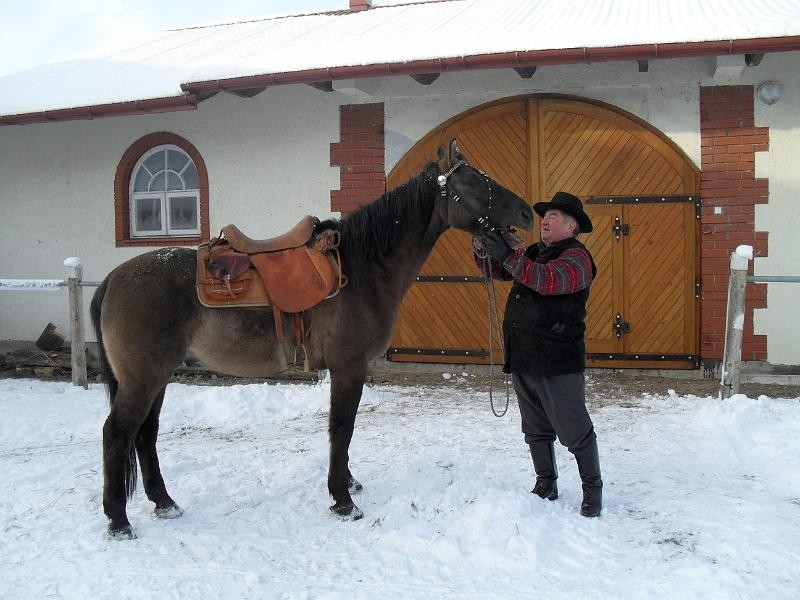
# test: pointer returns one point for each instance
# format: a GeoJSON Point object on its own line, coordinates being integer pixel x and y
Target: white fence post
{"type": "Point", "coordinates": [734, 327]}
{"type": "Point", "coordinates": [76, 323]}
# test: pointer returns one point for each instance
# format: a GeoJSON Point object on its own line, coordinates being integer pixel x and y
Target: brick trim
{"type": "Point", "coordinates": [729, 140]}
{"type": "Point", "coordinates": [122, 180]}
{"type": "Point", "coordinates": [360, 156]}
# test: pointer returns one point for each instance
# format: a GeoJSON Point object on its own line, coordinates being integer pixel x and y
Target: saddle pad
{"type": "Point", "coordinates": [296, 279]}
{"type": "Point", "coordinates": [226, 279]}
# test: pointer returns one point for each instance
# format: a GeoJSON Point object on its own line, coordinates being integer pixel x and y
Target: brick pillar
{"type": "Point", "coordinates": [360, 156]}
{"type": "Point", "coordinates": [730, 193]}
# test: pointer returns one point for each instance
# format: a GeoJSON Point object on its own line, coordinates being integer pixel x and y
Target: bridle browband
{"type": "Point", "coordinates": [483, 221]}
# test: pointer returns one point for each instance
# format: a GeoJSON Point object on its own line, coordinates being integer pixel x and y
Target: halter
{"type": "Point", "coordinates": [442, 181]}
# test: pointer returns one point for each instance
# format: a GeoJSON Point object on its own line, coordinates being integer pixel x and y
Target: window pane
{"type": "Point", "coordinates": [155, 162]}
{"type": "Point", "coordinates": [142, 180]}
{"type": "Point", "coordinates": [183, 212]}
{"type": "Point", "coordinates": [174, 181]}
{"type": "Point", "coordinates": [191, 178]}
{"type": "Point", "coordinates": [176, 160]}
{"type": "Point", "coordinates": [159, 182]}
{"type": "Point", "coordinates": [148, 214]}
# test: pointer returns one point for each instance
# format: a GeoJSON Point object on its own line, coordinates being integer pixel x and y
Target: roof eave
{"type": "Point", "coordinates": [195, 91]}
{"type": "Point", "coordinates": [115, 109]}
{"type": "Point", "coordinates": [528, 58]}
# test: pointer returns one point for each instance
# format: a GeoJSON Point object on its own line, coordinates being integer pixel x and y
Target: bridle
{"type": "Point", "coordinates": [491, 295]}
{"type": "Point", "coordinates": [444, 191]}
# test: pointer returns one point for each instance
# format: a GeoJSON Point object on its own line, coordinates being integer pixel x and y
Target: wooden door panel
{"type": "Point", "coordinates": [660, 275]}
{"type": "Point", "coordinates": [446, 316]}
{"type": "Point", "coordinates": [495, 141]}
{"type": "Point", "coordinates": [536, 147]}
{"type": "Point", "coordinates": [605, 293]}
{"type": "Point", "coordinates": [654, 266]}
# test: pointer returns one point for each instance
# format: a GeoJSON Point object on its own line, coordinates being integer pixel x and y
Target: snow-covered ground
{"type": "Point", "coordinates": [702, 499]}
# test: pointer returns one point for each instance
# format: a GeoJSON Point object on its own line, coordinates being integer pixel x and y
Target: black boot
{"type": "Point", "coordinates": [589, 469]}
{"type": "Point", "coordinates": [544, 463]}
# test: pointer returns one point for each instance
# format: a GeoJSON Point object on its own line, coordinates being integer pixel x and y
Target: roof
{"type": "Point", "coordinates": [176, 69]}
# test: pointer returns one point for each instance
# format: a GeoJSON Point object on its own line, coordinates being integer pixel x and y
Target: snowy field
{"type": "Point", "coordinates": [702, 499]}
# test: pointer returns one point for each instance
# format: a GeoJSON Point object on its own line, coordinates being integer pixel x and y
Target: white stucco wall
{"type": "Point", "coordinates": [269, 164]}
{"type": "Point", "coordinates": [267, 157]}
{"type": "Point", "coordinates": [781, 217]}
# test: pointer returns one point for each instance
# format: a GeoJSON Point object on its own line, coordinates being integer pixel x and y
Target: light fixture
{"type": "Point", "coordinates": [770, 92]}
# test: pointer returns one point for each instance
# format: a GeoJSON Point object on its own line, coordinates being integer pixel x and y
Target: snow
{"type": "Point", "coordinates": [27, 284]}
{"type": "Point", "coordinates": [156, 65]}
{"type": "Point", "coordinates": [745, 252]}
{"type": "Point", "coordinates": [702, 499]}
{"type": "Point", "coordinates": [72, 262]}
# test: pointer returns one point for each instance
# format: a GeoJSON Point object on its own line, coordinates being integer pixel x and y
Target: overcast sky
{"type": "Point", "coordinates": [34, 32]}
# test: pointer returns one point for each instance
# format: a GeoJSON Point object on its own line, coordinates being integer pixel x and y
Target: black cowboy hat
{"type": "Point", "coordinates": [568, 204]}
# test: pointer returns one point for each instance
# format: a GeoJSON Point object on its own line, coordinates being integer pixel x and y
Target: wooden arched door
{"type": "Point", "coordinates": [639, 189]}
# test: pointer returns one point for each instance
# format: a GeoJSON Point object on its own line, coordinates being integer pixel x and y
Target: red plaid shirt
{"type": "Point", "coordinates": [567, 274]}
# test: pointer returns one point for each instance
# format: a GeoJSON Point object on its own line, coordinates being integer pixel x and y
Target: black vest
{"type": "Point", "coordinates": [543, 335]}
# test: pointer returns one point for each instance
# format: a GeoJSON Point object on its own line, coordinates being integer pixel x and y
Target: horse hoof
{"type": "Point", "coordinates": [121, 533]}
{"type": "Point", "coordinates": [354, 485]}
{"type": "Point", "coordinates": [169, 512]}
{"type": "Point", "coordinates": [347, 512]}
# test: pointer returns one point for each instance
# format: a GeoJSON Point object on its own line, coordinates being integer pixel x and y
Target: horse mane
{"type": "Point", "coordinates": [373, 230]}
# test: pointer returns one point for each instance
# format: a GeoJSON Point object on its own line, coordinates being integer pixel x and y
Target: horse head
{"type": "Point", "coordinates": [476, 202]}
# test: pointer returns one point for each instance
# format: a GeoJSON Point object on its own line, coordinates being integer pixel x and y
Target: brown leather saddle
{"type": "Point", "coordinates": [291, 273]}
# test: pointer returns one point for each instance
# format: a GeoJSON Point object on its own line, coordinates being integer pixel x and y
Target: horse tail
{"type": "Point", "coordinates": [111, 383]}
{"type": "Point", "coordinates": [106, 374]}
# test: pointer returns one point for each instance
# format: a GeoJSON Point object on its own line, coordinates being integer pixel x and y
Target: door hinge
{"type": "Point", "coordinates": [698, 288]}
{"type": "Point", "coordinates": [620, 228]}
{"type": "Point", "coordinates": [620, 326]}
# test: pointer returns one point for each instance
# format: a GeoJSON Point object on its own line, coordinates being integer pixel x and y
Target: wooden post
{"type": "Point", "coordinates": [734, 328]}
{"type": "Point", "coordinates": [76, 323]}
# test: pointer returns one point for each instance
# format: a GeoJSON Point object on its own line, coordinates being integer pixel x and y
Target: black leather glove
{"type": "Point", "coordinates": [495, 245]}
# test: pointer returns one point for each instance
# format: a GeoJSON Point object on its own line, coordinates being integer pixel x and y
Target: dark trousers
{"type": "Point", "coordinates": [555, 406]}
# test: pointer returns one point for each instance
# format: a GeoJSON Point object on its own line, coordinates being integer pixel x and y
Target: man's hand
{"type": "Point", "coordinates": [495, 245]}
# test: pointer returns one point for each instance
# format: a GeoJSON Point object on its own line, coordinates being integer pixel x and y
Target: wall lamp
{"type": "Point", "coordinates": [770, 92]}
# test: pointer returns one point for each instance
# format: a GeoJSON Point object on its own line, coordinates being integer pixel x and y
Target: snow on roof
{"type": "Point", "coordinates": [448, 30]}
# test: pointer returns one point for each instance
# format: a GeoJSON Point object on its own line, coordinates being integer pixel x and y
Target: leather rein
{"type": "Point", "coordinates": [493, 315]}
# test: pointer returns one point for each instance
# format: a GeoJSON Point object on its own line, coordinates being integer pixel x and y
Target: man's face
{"type": "Point", "coordinates": [556, 226]}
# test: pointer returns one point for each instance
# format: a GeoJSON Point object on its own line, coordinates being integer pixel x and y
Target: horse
{"type": "Point", "coordinates": [147, 319]}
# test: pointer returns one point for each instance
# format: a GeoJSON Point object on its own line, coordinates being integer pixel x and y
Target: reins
{"type": "Point", "coordinates": [493, 318]}
{"type": "Point", "coordinates": [493, 315]}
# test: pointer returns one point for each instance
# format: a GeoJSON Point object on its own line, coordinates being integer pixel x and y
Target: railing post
{"type": "Point", "coordinates": [734, 326]}
{"type": "Point", "coordinates": [76, 322]}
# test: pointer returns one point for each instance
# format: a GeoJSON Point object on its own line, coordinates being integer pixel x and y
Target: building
{"type": "Point", "coordinates": [677, 123]}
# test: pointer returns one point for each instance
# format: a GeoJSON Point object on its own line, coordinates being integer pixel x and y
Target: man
{"type": "Point", "coordinates": [544, 347]}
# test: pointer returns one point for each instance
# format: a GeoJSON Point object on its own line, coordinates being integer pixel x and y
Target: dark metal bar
{"type": "Point", "coordinates": [479, 352]}
{"type": "Point", "coordinates": [645, 357]}
{"type": "Point", "coordinates": [665, 199]}
{"type": "Point", "coordinates": [449, 279]}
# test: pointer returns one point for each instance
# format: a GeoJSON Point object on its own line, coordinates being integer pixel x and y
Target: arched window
{"type": "Point", "coordinates": [161, 193]}
{"type": "Point", "coordinates": [165, 194]}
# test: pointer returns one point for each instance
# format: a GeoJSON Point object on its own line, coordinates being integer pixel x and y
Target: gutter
{"type": "Point", "coordinates": [115, 109]}
{"type": "Point", "coordinates": [195, 91]}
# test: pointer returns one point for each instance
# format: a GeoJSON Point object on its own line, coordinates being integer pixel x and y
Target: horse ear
{"type": "Point", "coordinates": [455, 152]}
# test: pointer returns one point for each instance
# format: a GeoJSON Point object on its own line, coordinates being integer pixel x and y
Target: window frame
{"type": "Point", "coordinates": [164, 196]}
{"type": "Point", "coordinates": [124, 217]}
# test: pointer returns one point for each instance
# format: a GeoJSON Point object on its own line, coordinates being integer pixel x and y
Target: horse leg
{"type": "Point", "coordinates": [154, 487]}
{"type": "Point", "coordinates": [130, 407]}
{"type": "Point", "coordinates": [346, 390]}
